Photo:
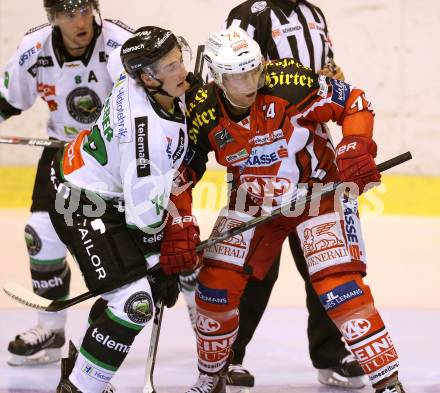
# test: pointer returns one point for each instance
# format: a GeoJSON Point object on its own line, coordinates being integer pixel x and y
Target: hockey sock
{"type": "Point", "coordinates": [51, 279]}
{"type": "Point", "coordinates": [216, 332]}
{"type": "Point", "coordinates": [104, 347]}
{"type": "Point", "coordinates": [97, 309]}
{"type": "Point", "coordinates": [349, 303]}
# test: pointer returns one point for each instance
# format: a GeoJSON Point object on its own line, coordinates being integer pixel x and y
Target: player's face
{"type": "Point", "coordinates": [171, 70]}
{"type": "Point", "coordinates": [241, 89]}
{"type": "Point", "coordinates": [76, 26]}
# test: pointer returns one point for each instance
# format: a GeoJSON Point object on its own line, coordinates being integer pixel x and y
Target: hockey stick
{"type": "Point", "coordinates": [326, 190]}
{"type": "Point", "coordinates": [152, 350]}
{"type": "Point", "coordinates": [17, 140]}
{"type": "Point", "coordinates": [157, 323]}
{"type": "Point", "coordinates": [28, 298]}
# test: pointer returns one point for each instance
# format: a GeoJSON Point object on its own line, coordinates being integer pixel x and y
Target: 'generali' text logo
{"type": "Point", "coordinates": [355, 328]}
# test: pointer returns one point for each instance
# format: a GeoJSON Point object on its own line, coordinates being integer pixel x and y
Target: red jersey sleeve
{"type": "Point", "coordinates": [318, 98]}
{"type": "Point", "coordinates": [340, 102]}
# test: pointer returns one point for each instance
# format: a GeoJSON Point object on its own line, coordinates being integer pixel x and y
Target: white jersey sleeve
{"type": "Point", "coordinates": [17, 83]}
{"type": "Point", "coordinates": [116, 33]}
{"type": "Point", "coordinates": [114, 64]}
{"type": "Point", "coordinates": [119, 28]}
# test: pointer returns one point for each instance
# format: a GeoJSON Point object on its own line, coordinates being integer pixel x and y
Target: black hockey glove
{"type": "Point", "coordinates": [164, 286]}
{"type": "Point", "coordinates": [195, 82]}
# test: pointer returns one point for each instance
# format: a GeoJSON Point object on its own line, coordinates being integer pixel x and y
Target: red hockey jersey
{"type": "Point", "coordinates": [283, 141]}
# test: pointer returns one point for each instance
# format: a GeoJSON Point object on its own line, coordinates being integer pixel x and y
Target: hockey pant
{"type": "Point", "coordinates": [112, 330]}
{"type": "Point", "coordinates": [108, 252]}
{"type": "Point", "coordinates": [335, 254]}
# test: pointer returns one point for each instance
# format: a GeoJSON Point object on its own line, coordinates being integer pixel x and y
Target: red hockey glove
{"type": "Point", "coordinates": [355, 159]}
{"type": "Point", "coordinates": [178, 250]}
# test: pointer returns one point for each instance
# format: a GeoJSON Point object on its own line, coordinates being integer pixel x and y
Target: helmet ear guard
{"type": "Point", "coordinates": [231, 51]}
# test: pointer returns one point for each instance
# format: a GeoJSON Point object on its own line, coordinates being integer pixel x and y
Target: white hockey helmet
{"type": "Point", "coordinates": [231, 51]}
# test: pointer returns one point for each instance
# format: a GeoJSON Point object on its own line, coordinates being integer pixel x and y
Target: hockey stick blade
{"type": "Point", "coordinates": [152, 350]}
{"type": "Point", "coordinates": [17, 140]}
{"type": "Point", "coordinates": [25, 296]}
{"type": "Point", "coordinates": [28, 298]}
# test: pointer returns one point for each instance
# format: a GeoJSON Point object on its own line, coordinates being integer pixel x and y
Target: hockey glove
{"type": "Point", "coordinates": [355, 159]}
{"type": "Point", "coordinates": [178, 250]}
{"type": "Point", "coordinates": [163, 286]}
{"type": "Point", "coordinates": [195, 82]}
{"type": "Point", "coordinates": [332, 70]}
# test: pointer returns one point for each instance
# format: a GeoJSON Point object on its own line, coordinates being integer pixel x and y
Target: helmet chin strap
{"type": "Point", "coordinates": [157, 90]}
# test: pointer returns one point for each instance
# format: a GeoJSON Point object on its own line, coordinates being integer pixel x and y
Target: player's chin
{"type": "Point", "coordinates": [180, 89]}
{"type": "Point", "coordinates": [84, 38]}
{"type": "Point", "coordinates": [249, 98]}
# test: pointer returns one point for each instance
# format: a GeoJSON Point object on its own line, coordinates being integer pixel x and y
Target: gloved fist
{"type": "Point", "coordinates": [195, 80]}
{"type": "Point", "coordinates": [355, 159]}
{"type": "Point", "coordinates": [163, 286]}
{"type": "Point", "coordinates": [178, 249]}
{"type": "Point", "coordinates": [194, 83]}
{"type": "Point", "coordinates": [332, 70]}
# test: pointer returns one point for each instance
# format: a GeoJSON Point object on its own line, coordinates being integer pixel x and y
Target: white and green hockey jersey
{"type": "Point", "coordinates": [132, 153]}
{"type": "Point", "coordinates": [74, 89]}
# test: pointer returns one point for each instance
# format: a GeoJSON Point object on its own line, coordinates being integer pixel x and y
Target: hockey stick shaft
{"type": "Point", "coordinates": [198, 66]}
{"type": "Point", "coordinates": [53, 143]}
{"type": "Point", "coordinates": [28, 298]}
{"type": "Point", "coordinates": [401, 158]}
{"type": "Point", "coordinates": [16, 140]}
{"type": "Point", "coordinates": [152, 350]}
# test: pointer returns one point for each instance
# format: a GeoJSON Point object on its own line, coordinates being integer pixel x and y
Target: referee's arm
{"type": "Point", "coordinates": [330, 54]}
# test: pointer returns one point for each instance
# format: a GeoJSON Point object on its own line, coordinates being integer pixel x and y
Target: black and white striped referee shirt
{"type": "Point", "coordinates": [286, 29]}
